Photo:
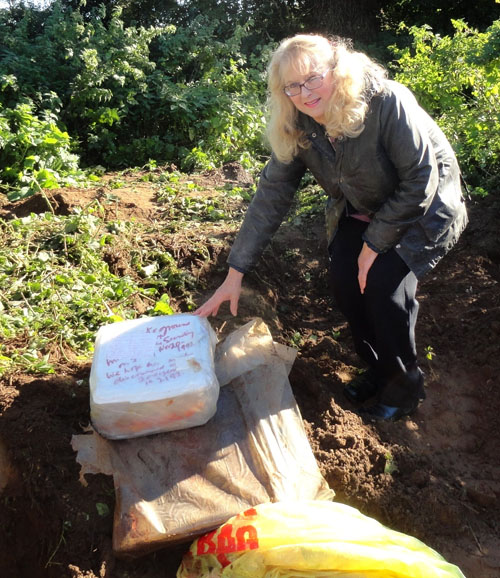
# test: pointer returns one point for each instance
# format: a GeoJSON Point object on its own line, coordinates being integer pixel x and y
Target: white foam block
{"type": "Point", "coordinates": [152, 375]}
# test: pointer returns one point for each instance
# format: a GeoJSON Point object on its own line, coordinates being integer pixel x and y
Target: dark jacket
{"type": "Point", "coordinates": [401, 171]}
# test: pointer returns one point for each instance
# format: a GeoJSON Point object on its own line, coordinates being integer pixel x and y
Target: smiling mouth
{"type": "Point", "coordinates": [312, 102]}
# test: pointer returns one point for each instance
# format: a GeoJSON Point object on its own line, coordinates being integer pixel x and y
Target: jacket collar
{"type": "Point", "coordinates": [309, 125]}
{"type": "Point", "coordinates": [316, 134]}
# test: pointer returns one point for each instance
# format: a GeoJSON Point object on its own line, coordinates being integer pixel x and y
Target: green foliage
{"type": "Point", "coordinates": [40, 50]}
{"type": "Point", "coordinates": [203, 99]}
{"type": "Point", "coordinates": [358, 20]}
{"type": "Point", "coordinates": [310, 202]}
{"type": "Point", "coordinates": [183, 204]}
{"type": "Point", "coordinates": [34, 152]}
{"type": "Point", "coordinates": [126, 94]}
{"type": "Point", "coordinates": [457, 79]}
{"type": "Point", "coordinates": [88, 83]}
{"type": "Point", "coordinates": [113, 66]}
{"type": "Point", "coordinates": [57, 289]}
{"type": "Point", "coordinates": [390, 466]}
{"type": "Point", "coordinates": [437, 14]}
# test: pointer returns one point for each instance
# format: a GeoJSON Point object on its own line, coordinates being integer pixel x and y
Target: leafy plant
{"type": "Point", "coordinates": [309, 202]}
{"type": "Point", "coordinates": [180, 204]}
{"type": "Point", "coordinates": [390, 465]}
{"type": "Point", "coordinates": [57, 289]}
{"type": "Point", "coordinates": [457, 79]}
{"type": "Point", "coordinates": [429, 352]}
{"type": "Point", "coordinates": [35, 153]}
{"type": "Point", "coordinates": [128, 94]}
{"type": "Point", "coordinates": [296, 340]}
{"type": "Point", "coordinates": [102, 509]}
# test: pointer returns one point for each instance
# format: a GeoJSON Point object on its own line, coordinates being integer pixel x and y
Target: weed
{"type": "Point", "coordinates": [310, 202]}
{"type": "Point", "coordinates": [390, 465]}
{"type": "Point", "coordinates": [236, 191]}
{"type": "Point", "coordinates": [116, 184]}
{"type": "Point", "coordinates": [181, 205]}
{"type": "Point", "coordinates": [296, 340]}
{"type": "Point", "coordinates": [291, 254]}
{"type": "Point", "coordinates": [62, 540]}
{"type": "Point", "coordinates": [102, 509]}
{"type": "Point", "coordinates": [56, 288]}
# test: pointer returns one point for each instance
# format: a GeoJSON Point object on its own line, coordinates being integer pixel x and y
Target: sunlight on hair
{"type": "Point", "coordinates": [356, 79]}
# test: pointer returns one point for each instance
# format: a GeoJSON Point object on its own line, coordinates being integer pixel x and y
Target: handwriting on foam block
{"type": "Point", "coordinates": [164, 329]}
{"type": "Point", "coordinates": [175, 338]}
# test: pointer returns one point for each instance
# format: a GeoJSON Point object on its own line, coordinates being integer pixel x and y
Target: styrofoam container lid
{"type": "Point", "coordinates": [151, 358]}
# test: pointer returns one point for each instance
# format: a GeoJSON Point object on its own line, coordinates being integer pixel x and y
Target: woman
{"type": "Point", "coordinates": [394, 206]}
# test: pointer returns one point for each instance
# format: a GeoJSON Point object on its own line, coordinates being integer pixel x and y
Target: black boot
{"type": "Point", "coordinates": [362, 387]}
{"type": "Point", "coordinates": [404, 397]}
{"type": "Point", "coordinates": [382, 412]}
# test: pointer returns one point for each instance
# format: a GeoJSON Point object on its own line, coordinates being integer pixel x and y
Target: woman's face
{"type": "Point", "coordinates": [311, 101]}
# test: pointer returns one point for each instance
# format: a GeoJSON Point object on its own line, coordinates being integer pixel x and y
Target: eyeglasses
{"type": "Point", "coordinates": [313, 82]}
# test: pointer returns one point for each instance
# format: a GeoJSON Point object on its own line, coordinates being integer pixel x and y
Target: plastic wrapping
{"type": "Point", "coordinates": [310, 539]}
{"type": "Point", "coordinates": [153, 374]}
{"type": "Point", "coordinates": [175, 486]}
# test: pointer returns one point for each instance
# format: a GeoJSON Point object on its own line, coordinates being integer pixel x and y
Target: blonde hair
{"type": "Point", "coordinates": [356, 78]}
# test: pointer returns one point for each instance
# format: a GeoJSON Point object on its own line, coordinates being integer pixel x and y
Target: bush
{"type": "Point", "coordinates": [34, 152]}
{"type": "Point", "coordinates": [203, 106]}
{"type": "Point", "coordinates": [128, 94]}
{"type": "Point", "coordinates": [457, 80]}
{"type": "Point", "coordinates": [119, 95]}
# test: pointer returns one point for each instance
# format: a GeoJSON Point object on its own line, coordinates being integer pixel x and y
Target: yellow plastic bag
{"type": "Point", "coordinates": [310, 538]}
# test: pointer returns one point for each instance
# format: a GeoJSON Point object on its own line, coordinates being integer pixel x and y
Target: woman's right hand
{"type": "Point", "coordinates": [230, 290]}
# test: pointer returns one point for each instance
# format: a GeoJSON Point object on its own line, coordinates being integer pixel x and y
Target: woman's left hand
{"type": "Point", "coordinates": [365, 261]}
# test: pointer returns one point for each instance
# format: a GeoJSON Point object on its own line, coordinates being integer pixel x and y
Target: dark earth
{"type": "Point", "coordinates": [444, 487]}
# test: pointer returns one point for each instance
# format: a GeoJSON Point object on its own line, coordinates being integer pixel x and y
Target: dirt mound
{"type": "Point", "coordinates": [435, 476]}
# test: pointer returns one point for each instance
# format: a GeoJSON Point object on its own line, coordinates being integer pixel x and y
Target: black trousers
{"type": "Point", "coordinates": [382, 319]}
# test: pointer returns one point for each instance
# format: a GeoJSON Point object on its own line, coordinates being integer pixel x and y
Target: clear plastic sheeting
{"type": "Point", "coordinates": [172, 487]}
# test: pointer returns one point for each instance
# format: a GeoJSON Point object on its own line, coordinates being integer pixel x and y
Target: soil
{"type": "Point", "coordinates": [444, 486]}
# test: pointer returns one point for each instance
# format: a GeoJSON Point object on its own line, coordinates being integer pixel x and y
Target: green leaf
{"type": "Point", "coordinates": [102, 509]}
{"type": "Point", "coordinates": [90, 279]}
{"type": "Point", "coordinates": [115, 318]}
{"type": "Point", "coordinates": [390, 465]}
{"type": "Point", "coordinates": [163, 308]}
{"type": "Point", "coordinates": [62, 279]}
